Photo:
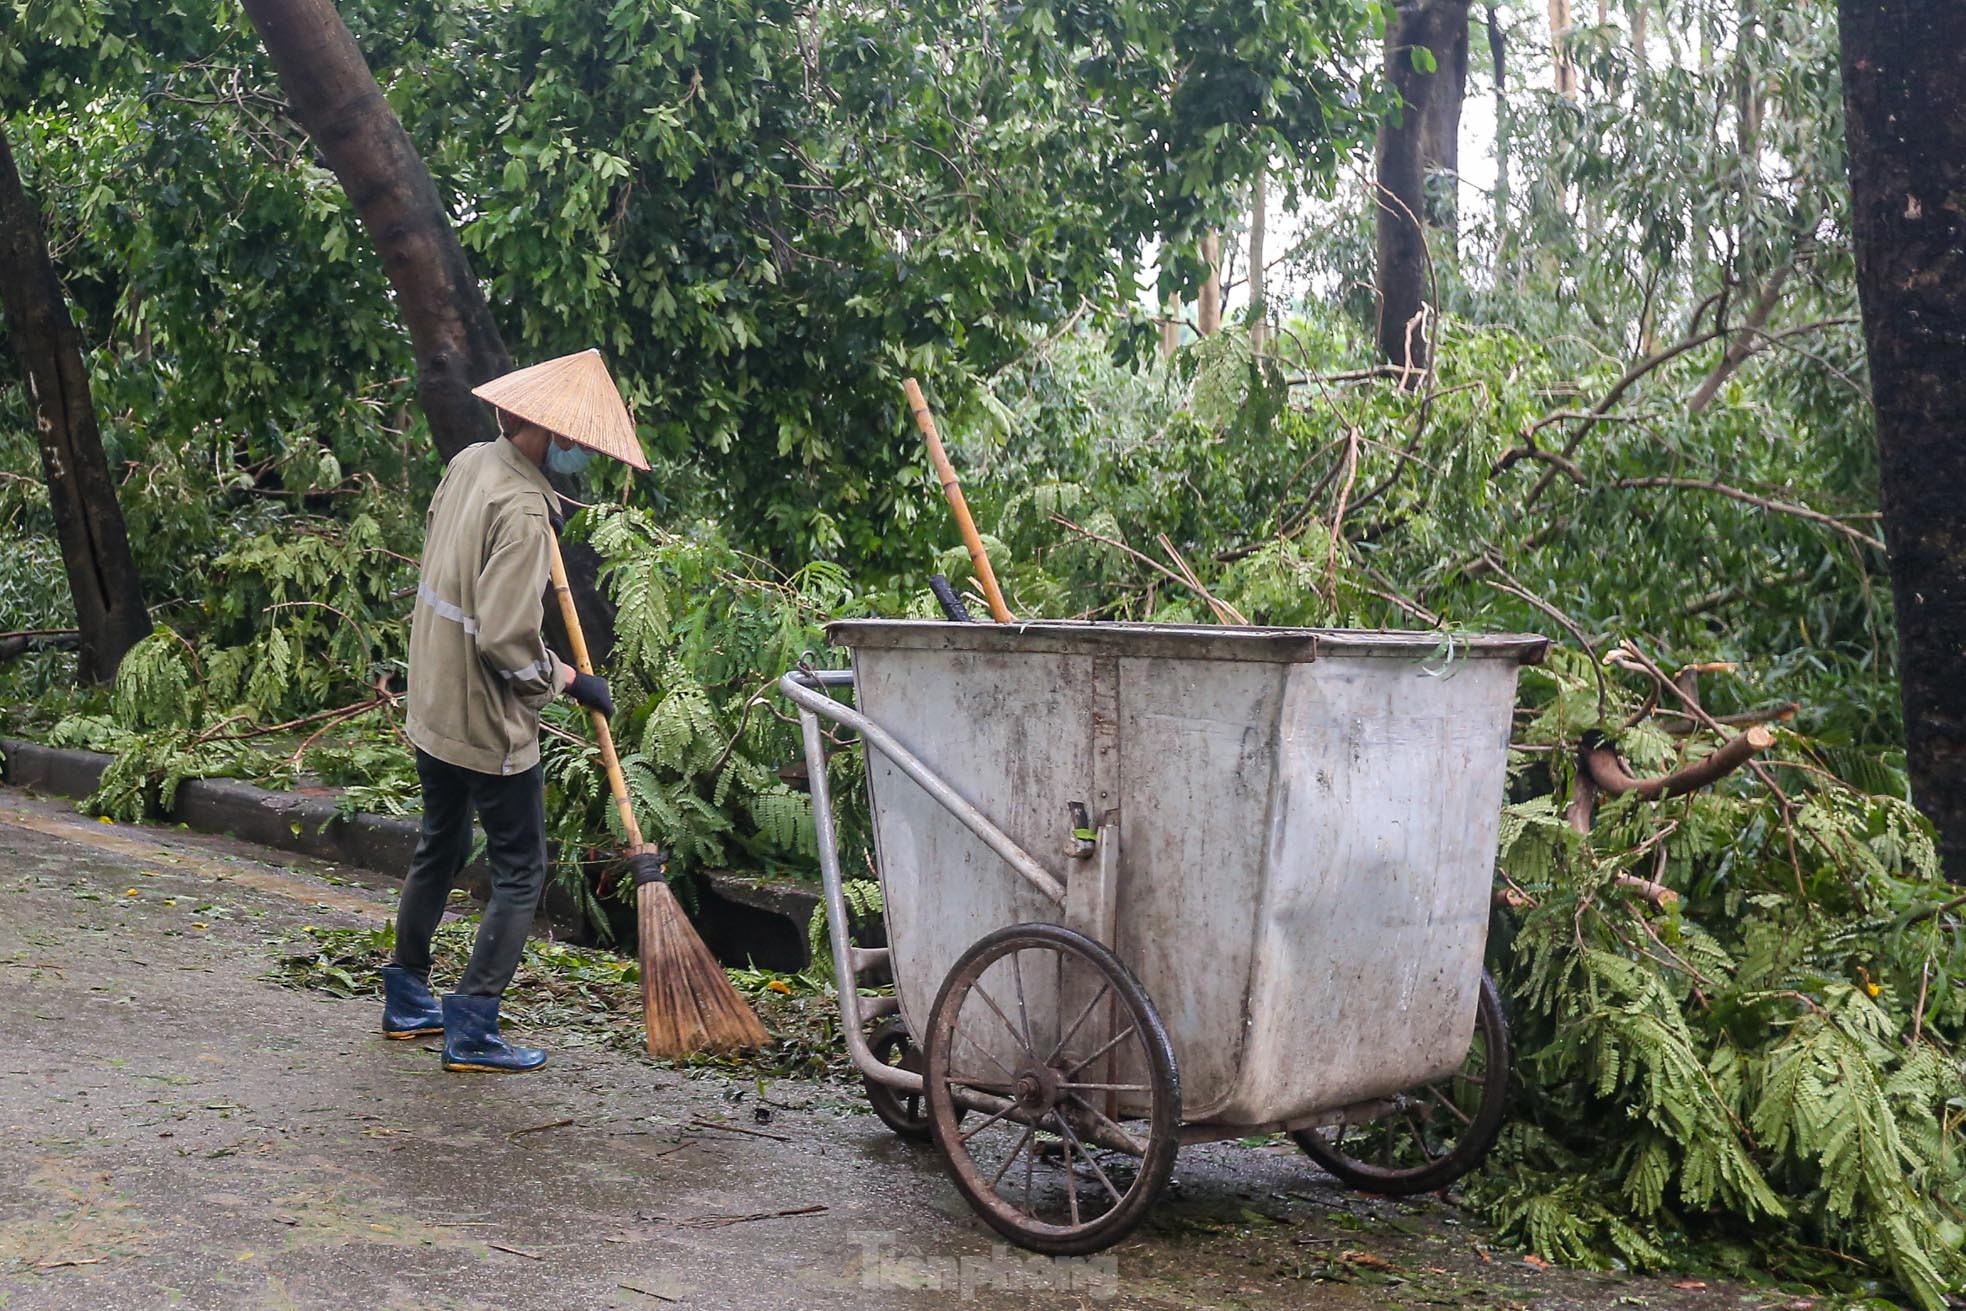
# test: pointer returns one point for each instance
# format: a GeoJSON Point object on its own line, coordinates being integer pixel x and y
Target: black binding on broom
{"type": "Point", "coordinates": [952, 605]}
{"type": "Point", "coordinates": [652, 867]}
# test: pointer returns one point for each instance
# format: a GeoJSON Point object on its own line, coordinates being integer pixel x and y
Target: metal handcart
{"type": "Point", "coordinates": [1148, 885]}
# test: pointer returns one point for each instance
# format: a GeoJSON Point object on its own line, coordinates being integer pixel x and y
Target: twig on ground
{"type": "Point", "coordinates": [738, 1128]}
{"type": "Point", "coordinates": [725, 1221]}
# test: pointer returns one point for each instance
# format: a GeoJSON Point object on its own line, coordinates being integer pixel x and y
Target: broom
{"type": "Point", "coordinates": [688, 1003]}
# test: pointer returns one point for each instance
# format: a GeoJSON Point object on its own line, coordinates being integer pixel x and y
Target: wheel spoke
{"type": "Point", "coordinates": [1023, 1011]}
{"type": "Point", "coordinates": [970, 1133]}
{"type": "Point", "coordinates": [1113, 1042]}
{"type": "Point", "coordinates": [1419, 1136]}
{"type": "Point", "coordinates": [1071, 1137]}
{"type": "Point", "coordinates": [1073, 1032]}
{"type": "Point", "coordinates": [1448, 1102]}
{"type": "Point", "coordinates": [1071, 1185]}
{"type": "Point", "coordinates": [1108, 1087]}
{"type": "Point", "coordinates": [991, 1002]}
{"type": "Point", "coordinates": [1030, 1132]}
{"type": "Point", "coordinates": [1030, 1206]}
{"type": "Point", "coordinates": [956, 1027]}
{"type": "Point", "coordinates": [1109, 1128]}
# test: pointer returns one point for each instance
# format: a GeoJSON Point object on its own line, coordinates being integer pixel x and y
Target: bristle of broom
{"type": "Point", "coordinates": [688, 1002]}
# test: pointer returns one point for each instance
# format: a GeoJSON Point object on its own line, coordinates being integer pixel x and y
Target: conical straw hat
{"type": "Point", "coordinates": [574, 397]}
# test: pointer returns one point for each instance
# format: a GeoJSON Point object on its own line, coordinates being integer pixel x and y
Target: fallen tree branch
{"type": "Point", "coordinates": [1763, 502]}
{"type": "Point", "coordinates": [1742, 346]}
{"type": "Point", "coordinates": [1562, 462]}
{"type": "Point", "coordinates": [1219, 607]}
{"type": "Point", "coordinates": [1611, 398]}
{"type": "Point", "coordinates": [1597, 757]}
{"type": "Point", "coordinates": [1658, 894]}
{"type": "Point", "coordinates": [1746, 719]}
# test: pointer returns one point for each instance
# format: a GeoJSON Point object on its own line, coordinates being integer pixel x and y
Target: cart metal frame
{"type": "Point", "coordinates": [810, 691]}
{"type": "Point", "coordinates": [1080, 924]}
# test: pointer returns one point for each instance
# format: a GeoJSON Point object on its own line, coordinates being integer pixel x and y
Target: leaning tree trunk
{"type": "Point", "coordinates": [335, 98]}
{"type": "Point", "coordinates": [1904, 80]}
{"type": "Point", "coordinates": [1401, 201]}
{"type": "Point", "coordinates": [95, 548]}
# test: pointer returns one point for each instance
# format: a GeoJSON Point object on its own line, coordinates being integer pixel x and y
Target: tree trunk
{"type": "Point", "coordinates": [1259, 309]}
{"type": "Point", "coordinates": [1498, 56]}
{"type": "Point", "coordinates": [1208, 309]}
{"type": "Point", "coordinates": [1904, 81]}
{"type": "Point", "coordinates": [1401, 159]}
{"type": "Point", "coordinates": [1440, 125]}
{"type": "Point", "coordinates": [335, 97]}
{"type": "Point", "coordinates": [1170, 328]}
{"type": "Point", "coordinates": [1566, 68]}
{"type": "Point", "coordinates": [1747, 98]}
{"type": "Point", "coordinates": [95, 548]}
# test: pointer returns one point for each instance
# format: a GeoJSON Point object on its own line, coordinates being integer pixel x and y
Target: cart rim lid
{"type": "Point", "coordinates": [1192, 641]}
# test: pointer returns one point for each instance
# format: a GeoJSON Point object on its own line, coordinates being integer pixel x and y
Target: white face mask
{"type": "Point", "coordinates": [568, 460]}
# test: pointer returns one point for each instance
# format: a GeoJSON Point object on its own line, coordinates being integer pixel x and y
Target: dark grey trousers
{"type": "Point", "coordinates": [512, 809]}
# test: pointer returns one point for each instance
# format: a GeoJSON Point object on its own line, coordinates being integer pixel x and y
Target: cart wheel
{"type": "Point", "coordinates": [1078, 1103]}
{"type": "Point", "coordinates": [1435, 1133]}
{"type": "Point", "coordinates": [899, 1111]}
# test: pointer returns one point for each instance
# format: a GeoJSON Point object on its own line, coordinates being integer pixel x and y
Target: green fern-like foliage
{"type": "Point", "coordinates": [702, 633]}
{"type": "Point", "coordinates": [1775, 1054]}
{"type": "Point", "coordinates": [864, 903]}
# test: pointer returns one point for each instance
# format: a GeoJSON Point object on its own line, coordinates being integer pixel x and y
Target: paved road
{"type": "Point", "coordinates": [182, 1132]}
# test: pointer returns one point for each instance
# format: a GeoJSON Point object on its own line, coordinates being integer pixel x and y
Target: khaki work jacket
{"type": "Point", "coordinates": [479, 671]}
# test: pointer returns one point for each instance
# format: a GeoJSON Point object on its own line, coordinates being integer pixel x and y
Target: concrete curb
{"type": "Point", "coordinates": [744, 921]}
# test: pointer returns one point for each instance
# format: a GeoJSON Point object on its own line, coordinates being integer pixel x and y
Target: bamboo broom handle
{"type": "Point", "coordinates": [578, 641]}
{"type": "Point", "coordinates": [951, 489]}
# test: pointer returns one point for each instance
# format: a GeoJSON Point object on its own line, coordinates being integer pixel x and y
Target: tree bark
{"type": "Point", "coordinates": [1747, 95]}
{"type": "Point", "coordinates": [1208, 309]}
{"type": "Point", "coordinates": [1498, 57]}
{"type": "Point", "coordinates": [335, 98]}
{"type": "Point", "coordinates": [1440, 124]}
{"type": "Point", "coordinates": [95, 547]}
{"type": "Point", "coordinates": [1259, 309]}
{"type": "Point", "coordinates": [1566, 68]}
{"type": "Point", "coordinates": [1400, 207]}
{"type": "Point", "coordinates": [1170, 328]}
{"type": "Point", "coordinates": [1904, 81]}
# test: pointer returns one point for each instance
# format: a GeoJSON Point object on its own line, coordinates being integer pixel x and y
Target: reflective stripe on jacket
{"type": "Point", "coordinates": [479, 671]}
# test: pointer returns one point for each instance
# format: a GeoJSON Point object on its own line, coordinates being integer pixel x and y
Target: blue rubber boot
{"type": "Point", "coordinates": [409, 1008]}
{"type": "Point", "coordinates": [471, 1040]}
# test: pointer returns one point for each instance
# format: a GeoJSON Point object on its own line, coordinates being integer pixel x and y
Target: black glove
{"type": "Point", "coordinates": [591, 690]}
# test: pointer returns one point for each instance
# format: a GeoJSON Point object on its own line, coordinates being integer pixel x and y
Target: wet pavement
{"type": "Point", "coordinates": [180, 1131]}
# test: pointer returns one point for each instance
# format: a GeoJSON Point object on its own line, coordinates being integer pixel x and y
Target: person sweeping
{"type": "Point", "coordinates": [479, 674]}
